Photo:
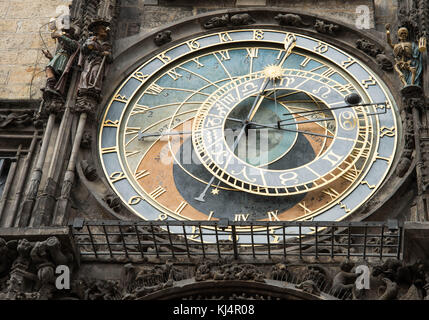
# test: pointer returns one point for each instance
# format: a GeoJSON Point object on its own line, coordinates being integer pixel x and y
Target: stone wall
{"type": "Point", "coordinates": [22, 27]}
{"type": "Point", "coordinates": [144, 15]}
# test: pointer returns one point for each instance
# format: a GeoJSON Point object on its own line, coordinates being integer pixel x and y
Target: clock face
{"type": "Point", "coordinates": [250, 124]}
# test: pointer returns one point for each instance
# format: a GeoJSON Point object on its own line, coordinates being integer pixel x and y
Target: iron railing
{"type": "Point", "coordinates": [219, 239]}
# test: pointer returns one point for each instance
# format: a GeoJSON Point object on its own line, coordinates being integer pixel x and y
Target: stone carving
{"type": "Point", "coordinates": [96, 53]}
{"type": "Point", "coordinates": [89, 170]}
{"type": "Point", "coordinates": [408, 58]}
{"type": "Point", "coordinates": [32, 271]}
{"type": "Point", "coordinates": [290, 19]}
{"type": "Point", "coordinates": [279, 272]}
{"type": "Point", "coordinates": [217, 22]}
{"type": "Point", "coordinates": [390, 290]}
{"type": "Point", "coordinates": [344, 281]}
{"type": "Point", "coordinates": [148, 280]}
{"type": "Point", "coordinates": [113, 202]}
{"type": "Point", "coordinates": [328, 28]}
{"type": "Point", "coordinates": [162, 38]}
{"type": "Point", "coordinates": [7, 255]}
{"type": "Point", "coordinates": [384, 62]}
{"type": "Point", "coordinates": [16, 120]}
{"type": "Point", "coordinates": [308, 286]}
{"type": "Point", "coordinates": [99, 290]}
{"type": "Point", "coordinates": [240, 19]}
{"type": "Point", "coordinates": [238, 272]}
{"type": "Point", "coordinates": [371, 49]}
{"type": "Point", "coordinates": [86, 140]}
{"type": "Point", "coordinates": [368, 47]}
{"type": "Point", "coordinates": [406, 157]}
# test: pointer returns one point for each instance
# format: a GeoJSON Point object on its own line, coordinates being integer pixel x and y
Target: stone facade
{"type": "Point", "coordinates": [23, 33]}
{"type": "Point", "coordinates": [54, 182]}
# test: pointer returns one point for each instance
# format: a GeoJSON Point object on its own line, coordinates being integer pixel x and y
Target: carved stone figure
{"type": "Point", "coordinates": [13, 119]}
{"type": "Point", "coordinates": [241, 19]}
{"type": "Point", "coordinates": [113, 202]}
{"type": "Point", "coordinates": [89, 170]}
{"type": "Point", "coordinates": [390, 290]}
{"type": "Point", "coordinates": [162, 38]}
{"type": "Point", "coordinates": [290, 19]}
{"type": "Point", "coordinates": [203, 272]}
{"type": "Point", "coordinates": [217, 22]}
{"type": "Point", "coordinates": [86, 140]}
{"type": "Point", "coordinates": [279, 272]}
{"type": "Point", "coordinates": [384, 62]}
{"type": "Point", "coordinates": [308, 286]}
{"type": "Point", "coordinates": [7, 255]}
{"type": "Point", "coordinates": [409, 63]}
{"type": "Point", "coordinates": [46, 255]}
{"type": "Point", "coordinates": [59, 66]}
{"type": "Point", "coordinates": [96, 53]}
{"type": "Point", "coordinates": [323, 27]}
{"type": "Point", "coordinates": [344, 280]}
{"type": "Point", "coordinates": [368, 47]}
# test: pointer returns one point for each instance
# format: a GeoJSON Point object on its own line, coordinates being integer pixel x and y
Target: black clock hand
{"type": "Point", "coordinates": [291, 130]}
{"type": "Point", "coordinates": [309, 112]}
{"type": "Point", "coordinates": [171, 133]}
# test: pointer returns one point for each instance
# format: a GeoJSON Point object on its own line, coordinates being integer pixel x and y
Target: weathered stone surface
{"type": "Point", "coordinates": [21, 62]}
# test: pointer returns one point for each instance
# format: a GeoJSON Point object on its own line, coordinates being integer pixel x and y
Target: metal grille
{"type": "Point", "coordinates": [220, 239]}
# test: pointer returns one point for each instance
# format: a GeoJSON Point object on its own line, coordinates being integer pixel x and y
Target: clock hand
{"type": "Point", "coordinates": [200, 198]}
{"type": "Point", "coordinates": [171, 133]}
{"type": "Point", "coordinates": [306, 113]}
{"type": "Point", "coordinates": [257, 102]}
{"type": "Point", "coordinates": [291, 130]}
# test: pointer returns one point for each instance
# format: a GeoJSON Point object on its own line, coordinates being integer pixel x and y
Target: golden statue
{"type": "Point", "coordinates": [408, 57]}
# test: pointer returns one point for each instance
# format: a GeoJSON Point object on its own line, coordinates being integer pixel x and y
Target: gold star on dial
{"type": "Point", "coordinates": [215, 191]}
{"type": "Point", "coordinates": [273, 72]}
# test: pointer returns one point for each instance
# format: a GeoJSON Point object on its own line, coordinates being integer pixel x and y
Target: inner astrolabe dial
{"type": "Point", "coordinates": [210, 139]}
{"type": "Point", "coordinates": [248, 125]}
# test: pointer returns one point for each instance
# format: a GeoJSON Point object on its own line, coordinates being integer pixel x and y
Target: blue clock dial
{"type": "Point", "coordinates": [249, 124]}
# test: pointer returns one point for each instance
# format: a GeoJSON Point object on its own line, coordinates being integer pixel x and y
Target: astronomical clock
{"type": "Point", "coordinates": [249, 125]}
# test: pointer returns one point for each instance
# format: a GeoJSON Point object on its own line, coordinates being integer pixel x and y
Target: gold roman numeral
{"type": "Point", "coordinates": [181, 207]}
{"type": "Point", "coordinates": [252, 52]}
{"type": "Point", "coordinates": [224, 55]}
{"type": "Point", "coordinates": [174, 75]}
{"type": "Point", "coordinates": [331, 192]}
{"type": "Point", "coordinates": [108, 149]}
{"type": "Point", "coordinates": [141, 174]}
{"type": "Point", "coordinates": [241, 217]}
{"type": "Point", "coordinates": [328, 73]}
{"type": "Point", "coordinates": [132, 130]}
{"type": "Point", "coordinates": [305, 62]}
{"type": "Point", "coordinates": [154, 89]}
{"type": "Point", "coordinates": [304, 207]}
{"type": "Point", "coordinates": [157, 192]}
{"type": "Point", "coordinates": [139, 109]}
{"type": "Point", "coordinates": [273, 215]}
